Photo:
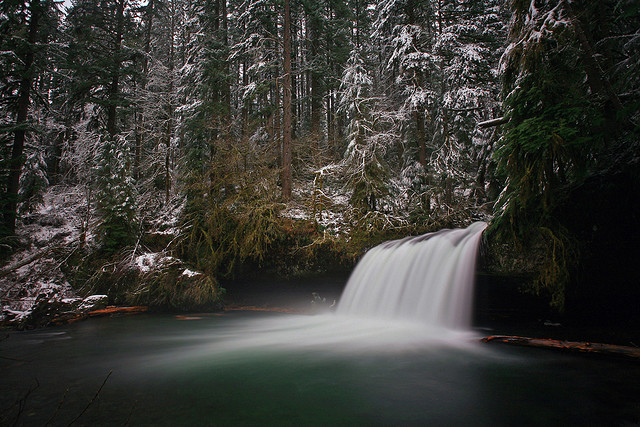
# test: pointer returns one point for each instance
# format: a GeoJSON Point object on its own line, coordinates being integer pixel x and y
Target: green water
{"type": "Point", "coordinates": [248, 368]}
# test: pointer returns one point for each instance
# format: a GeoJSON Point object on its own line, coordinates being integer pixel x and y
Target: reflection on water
{"type": "Point", "coordinates": [279, 369]}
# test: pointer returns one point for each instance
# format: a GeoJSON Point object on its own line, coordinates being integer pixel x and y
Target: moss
{"type": "Point", "coordinates": [167, 285]}
{"type": "Point", "coordinates": [544, 258]}
{"type": "Point", "coordinates": [554, 275]}
{"type": "Point", "coordinates": [170, 288]}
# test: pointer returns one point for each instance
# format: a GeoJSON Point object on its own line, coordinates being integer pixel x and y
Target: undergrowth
{"type": "Point", "coordinates": [166, 285]}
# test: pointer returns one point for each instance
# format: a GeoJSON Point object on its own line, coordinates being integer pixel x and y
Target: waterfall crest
{"type": "Point", "coordinates": [427, 278]}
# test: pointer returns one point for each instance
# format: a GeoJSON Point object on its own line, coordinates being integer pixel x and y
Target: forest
{"type": "Point", "coordinates": [153, 149]}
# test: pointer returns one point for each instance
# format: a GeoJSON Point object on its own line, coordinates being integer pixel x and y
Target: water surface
{"type": "Point", "coordinates": [246, 368]}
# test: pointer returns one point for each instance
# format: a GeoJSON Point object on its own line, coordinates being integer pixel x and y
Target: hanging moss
{"type": "Point", "coordinates": [554, 276]}
{"type": "Point", "coordinates": [160, 282]}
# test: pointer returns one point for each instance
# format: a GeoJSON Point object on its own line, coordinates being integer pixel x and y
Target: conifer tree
{"type": "Point", "coordinates": [364, 166]}
{"type": "Point", "coordinates": [565, 119]}
{"type": "Point", "coordinates": [101, 59]}
{"type": "Point", "coordinates": [25, 28]}
{"type": "Point", "coordinates": [115, 196]}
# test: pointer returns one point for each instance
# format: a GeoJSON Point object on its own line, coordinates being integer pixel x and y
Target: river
{"type": "Point", "coordinates": [261, 368]}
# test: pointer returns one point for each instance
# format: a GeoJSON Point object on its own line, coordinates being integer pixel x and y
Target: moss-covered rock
{"type": "Point", "coordinates": [154, 279]}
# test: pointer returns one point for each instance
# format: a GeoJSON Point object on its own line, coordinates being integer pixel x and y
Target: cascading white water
{"type": "Point", "coordinates": [427, 278]}
{"type": "Point", "coordinates": [411, 293]}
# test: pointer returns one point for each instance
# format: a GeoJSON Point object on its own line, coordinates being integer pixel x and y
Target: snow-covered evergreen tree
{"type": "Point", "coordinates": [365, 169]}
{"type": "Point", "coordinates": [441, 63]}
{"type": "Point", "coordinates": [115, 195]}
{"type": "Point", "coordinates": [26, 28]}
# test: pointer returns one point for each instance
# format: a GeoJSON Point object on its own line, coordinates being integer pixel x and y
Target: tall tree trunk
{"type": "Point", "coordinates": [226, 89]}
{"type": "Point", "coordinates": [295, 113]}
{"type": "Point", "coordinates": [286, 106]}
{"type": "Point", "coordinates": [170, 106]}
{"type": "Point", "coordinates": [226, 100]}
{"type": "Point", "coordinates": [245, 104]}
{"type": "Point", "coordinates": [421, 138]}
{"type": "Point", "coordinates": [316, 96]}
{"type": "Point", "coordinates": [419, 114]}
{"type": "Point", "coordinates": [115, 71]}
{"type": "Point", "coordinates": [330, 123]}
{"type": "Point", "coordinates": [275, 121]}
{"type": "Point", "coordinates": [24, 97]}
{"type": "Point", "coordinates": [145, 69]}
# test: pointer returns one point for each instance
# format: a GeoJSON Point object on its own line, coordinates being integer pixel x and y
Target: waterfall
{"type": "Point", "coordinates": [427, 278]}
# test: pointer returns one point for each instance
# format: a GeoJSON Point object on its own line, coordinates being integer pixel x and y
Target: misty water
{"type": "Point", "coordinates": [374, 361]}
{"type": "Point", "coordinates": [246, 368]}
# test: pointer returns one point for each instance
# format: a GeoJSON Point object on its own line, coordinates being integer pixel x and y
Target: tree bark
{"type": "Point", "coordinates": [245, 104]}
{"type": "Point", "coordinates": [330, 124]}
{"type": "Point", "coordinates": [28, 260]}
{"type": "Point", "coordinates": [170, 108]}
{"type": "Point", "coordinates": [286, 106]}
{"type": "Point", "coordinates": [24, 98]}
{"type": "Point", "coordinates": [313, 33]}
{"type": "Point", "coordinates": [139, 120]}
{"type": "Point", "coordinates": [421, 138]}
{"type": "Point", "coordinates": [65, 319]}
{"type": "Point", "coordinates": [114, 88]}
{"type": "Point", "coordinates": [493, 122]}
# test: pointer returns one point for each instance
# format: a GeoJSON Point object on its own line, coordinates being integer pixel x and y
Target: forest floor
{"type": "Point", "coordinates": [61, 229]}
{"type": "Point", "coordinates": [47, 236]}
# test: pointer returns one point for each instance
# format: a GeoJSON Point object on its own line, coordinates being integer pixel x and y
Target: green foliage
{"type": "Point", "coordinates": [115, 196]}
{"type": "Point", "coordinates": [366, 171]}
{"type": "Point", "coordinates": [5, 198]}
{"type": "Point", "coordinates": [169, 288]}
{"type": "Point", "coordinates": [551, 136]}
{"type": "Point", "coordinates": [33, 181]}
{"type": "Point", "coordinates": [562, 127]}
{"type": "Point", "coordinates": [95, 55]}
{"type": "Point", "coordinates": [554, 275]}
{"type": "Point", "coordinates": [369, 180]}
{"type": "Point", "coordinates": [164, 285]}
{"type": "Point", "coordinates": [220, 240]}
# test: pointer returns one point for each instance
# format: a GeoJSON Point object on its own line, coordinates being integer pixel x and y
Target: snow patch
{"type": "Point", "coordinates": [152, 261]}
{"type": "Point", "coordinates": [191, 273]}
{"type": "Point", "coordinates": [296, 213]}
{"type": "Point", "coordinates": [146, 262]}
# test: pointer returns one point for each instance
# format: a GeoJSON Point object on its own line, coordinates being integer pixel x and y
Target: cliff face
{"type": "Point", "coordinates": [603, 213]}
{"type": "Point", "coordinates": [599, 249]}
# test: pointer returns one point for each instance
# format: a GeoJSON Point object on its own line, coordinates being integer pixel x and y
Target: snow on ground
{"type": "Point", "coordinates": [296, 213]}
{"type": "Point", "coordinates": [157, 261]}
{"type": "Point", "coordinates": [46, 235]}
{"type": "Point", "coordinates": [93, 301]}
{"type": "Point", "coordinates": [152, 261]}
{"type": "Point", "coordinates": [332, 206]}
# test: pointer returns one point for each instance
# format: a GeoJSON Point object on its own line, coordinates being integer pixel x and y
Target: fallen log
{"type": "Point", "coordinates": [66, 318]}
{"type": "Point", "coordinates": [493, 122]}
{"type": "Point", "coordinates": [570, 346]}
{"type": "Point", "coordinates": [234, 307]}
{"type": "Point", "coordinates": [117, 310]}
{"type": "Point", "coordinates": [28, 260]}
